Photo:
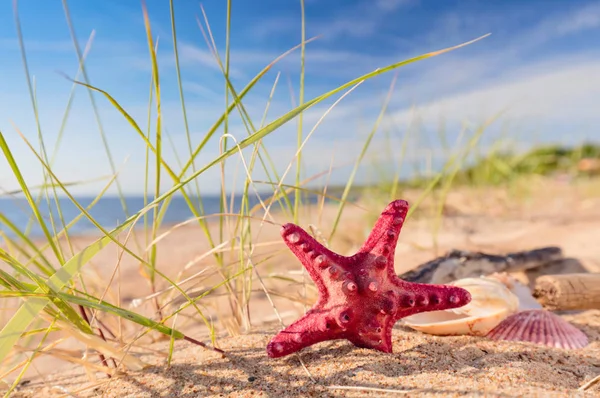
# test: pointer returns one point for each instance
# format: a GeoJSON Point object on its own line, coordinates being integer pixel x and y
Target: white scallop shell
{"type": "Point", "coordinates": [526, 299]}
{"type": "Point", "coordinates": [491, 302]}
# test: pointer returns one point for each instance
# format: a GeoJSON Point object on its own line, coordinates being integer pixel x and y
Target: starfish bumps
{"type": "Point", "coordinates": [360, 297]}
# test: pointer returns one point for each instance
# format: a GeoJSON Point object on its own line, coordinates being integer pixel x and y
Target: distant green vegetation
{"type": "Point", "coordinates": [542, 161]}
{"type": "Point", "coordinates": [503, 167]}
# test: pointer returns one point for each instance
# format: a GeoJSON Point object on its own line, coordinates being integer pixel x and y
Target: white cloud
{"type": "Point", "coordinates": [360, 19]}
{"type": "Point", "coordinates": [392, 5]}
{"type": "Point", "coordinates": [344, 26]}
{"type": "Point", "coordinates": [191, 53]}
{"type": "Point", "coordinates": [551, 93]}
{"type": "Point", "coordinates": [38, 45]}
{"type": "Point", "coordinates": [200, 90]}
{"type": "Point", "coordinates": [581, 19]}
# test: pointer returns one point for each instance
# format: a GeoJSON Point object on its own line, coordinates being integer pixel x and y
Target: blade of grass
{"type": "Point", "coordinates": [182, 98]}
{"type": "Point", "coordinates": [223, 202]}
{"type": "Point", "coordinates": [24, 187]}
{"type": "Point", "coordinates": [95, 109]}
{"type": "Point", "coordinates": [13, 329]}
{"type": "Point", "coordinates": [23, 318]}
{"type": "Point", "coordinates": [242, 110]}
{"type": "Point", "coordinates": [48, 269]}
{"type": "Point", "coordinates": [297, 196]}
{"type": "Point", "coordinates": [104, 306]}
{"type": "Point", "coordinates": [398, 175]}
{"type": "Point", "coordinates": [35, 111]}
{"type": "Point", "coordinates": [238, 99]}
{"type": "Point", "coordinates": [16, 192]}
{"type": "Point", "coordinates": [293, 113]}
{"type": "Point", "coordinates": [62, 306]}
{"type": "Point", "coordinates": [75, 220]}
{"type": "Point", "coordinates": [158, 152]}
{"type": "Point", "coordinates": [297, 193]}
{"type": "Point", "coordinates": [360, 157]}
{"type": "Point", "coordinates": [29, 361]}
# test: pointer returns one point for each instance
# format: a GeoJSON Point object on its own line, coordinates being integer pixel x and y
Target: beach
{"type": "Point", "coordinates": [552, 214]}
{"type": "Point", "coordinates": [422, 365]}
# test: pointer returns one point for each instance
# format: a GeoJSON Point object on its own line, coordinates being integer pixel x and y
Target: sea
{"type": "Point", "coordinates": [109, 213]}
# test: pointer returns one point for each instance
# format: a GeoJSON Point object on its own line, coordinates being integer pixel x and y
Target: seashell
{"type": "Point", "coordinates": [526, 299]}
{"type": "Point", "coordinates": [540, 327]}
{"type": "Point", "coordinates": [533, 323]}
{"type": "Point", "coordinates": [491, 302]}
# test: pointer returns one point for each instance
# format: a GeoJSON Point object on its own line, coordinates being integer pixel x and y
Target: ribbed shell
{"type": "Point", "coordinates": [540, 327]}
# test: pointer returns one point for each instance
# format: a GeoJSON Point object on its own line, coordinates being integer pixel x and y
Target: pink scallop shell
{"type": "Point", "coordinates": [540, 327]}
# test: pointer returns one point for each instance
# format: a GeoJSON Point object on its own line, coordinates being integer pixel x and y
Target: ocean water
{"type": "Point", "coordinates": [108, 211]}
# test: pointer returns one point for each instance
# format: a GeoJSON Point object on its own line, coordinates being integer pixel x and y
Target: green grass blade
{"type": "Point", "coordinates": [47, 268]}
{"type": "Point", "coordinates": [123, 313]}
{"type": "Point", "coordinates": [10, 282]}
{"type": "Point", "coordinates": [109, 235]}
{"type": "Point", "coordinates": [36, 211]}
{"type": "Point", "coordinates": [49, 185]}
{"type": "Point", "coordinates": [247, 121]}
{"type": "Point", "coordinates": [29, 310]}
{"type": "Point", "coordinates": [360, 157]}
{"type": "Point", "coordinates": [30, 88]}
{"type": "Point", "coordinates": [63, 307]}
{"type": "Point", "coordinates": [76, 219]}
{"type": "Point", "coordinates": [30, 360]}
{"type": "Point", "coordinates": [158, 152]}
{"type": "Point", "coordinates": [297, 194]}
{"type": "Point", "coordinates": [232, 106]}
{"type": "Point", "coordinates": [95, 109]}
{"type": "Point", "coordinates": [182, 98]}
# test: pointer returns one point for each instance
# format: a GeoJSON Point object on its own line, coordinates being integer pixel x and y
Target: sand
{"type": "Point", "coordinates": [421, 365]}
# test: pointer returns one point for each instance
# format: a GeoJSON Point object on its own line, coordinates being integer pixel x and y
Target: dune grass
{"type": "Point", "coordinates": [48, 286]}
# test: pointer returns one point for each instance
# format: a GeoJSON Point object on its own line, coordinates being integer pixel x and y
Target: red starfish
{"type": "Point", "coordinates": [360, 297]}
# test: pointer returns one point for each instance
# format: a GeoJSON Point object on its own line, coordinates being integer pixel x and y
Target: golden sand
{"type": "Point", "coordinates": [421, 365]}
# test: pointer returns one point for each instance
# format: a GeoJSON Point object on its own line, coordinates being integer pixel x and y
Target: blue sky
{"type": "Point", "coordinates": [541, 65]}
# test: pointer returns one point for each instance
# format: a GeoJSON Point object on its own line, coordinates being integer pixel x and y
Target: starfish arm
{"type": "Point", "coordinates": [384, 235]}
{"type": "Point", "coordinates": [314, 256]}
{"type": "Point", "coordinates": [314, 327]}
{"type": "Point", "coordinates": [414, 298]}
